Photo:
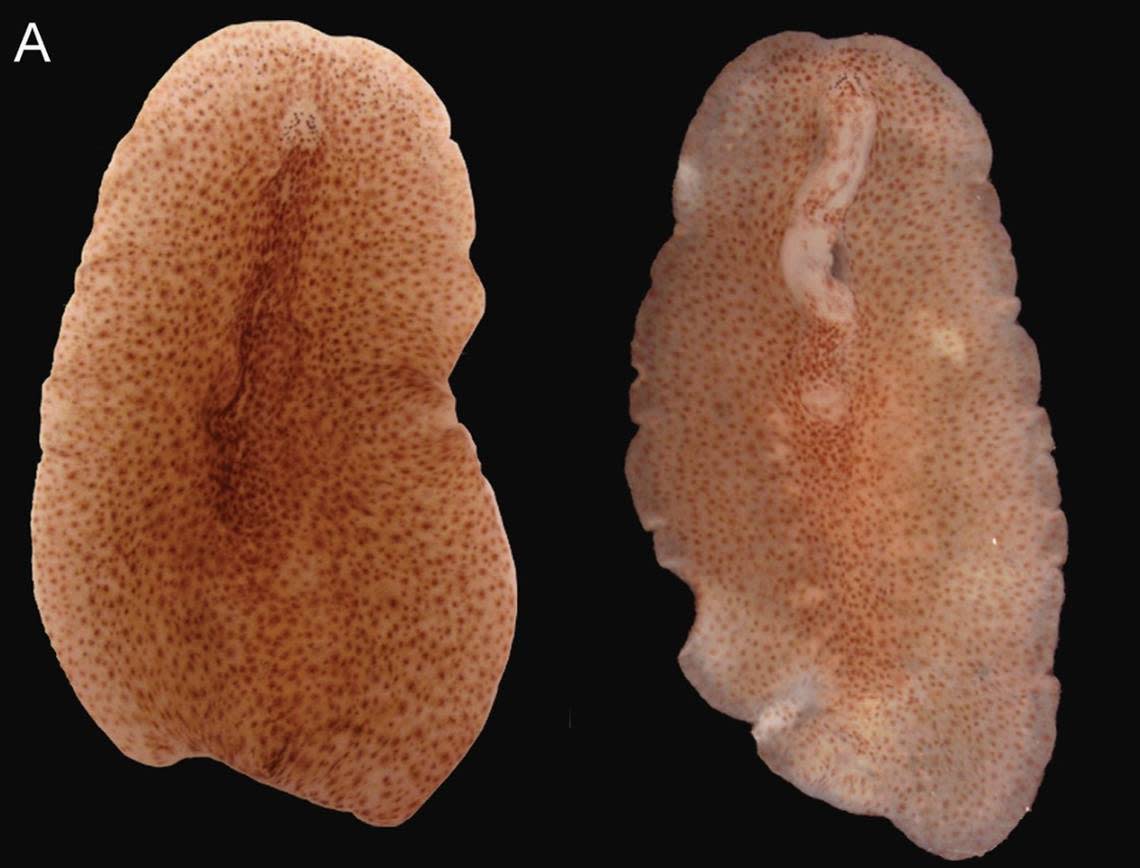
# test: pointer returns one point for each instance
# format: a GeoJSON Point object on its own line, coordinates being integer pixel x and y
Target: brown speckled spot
{"type": "Point", "coordinates": [260, 533]}
{"type": "Point", "coordinates": [840, 449]}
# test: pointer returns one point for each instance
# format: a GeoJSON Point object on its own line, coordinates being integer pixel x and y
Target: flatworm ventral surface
{"type": "Point", "coordinates": [840, 448]}
{"type": "Point", "coordinates": [260, 533]}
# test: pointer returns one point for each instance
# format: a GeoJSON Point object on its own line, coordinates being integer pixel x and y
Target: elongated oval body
{"type": "Point", "coordinates": [260, 533]}
{"type": "Point", "coordinates": [840, 448]}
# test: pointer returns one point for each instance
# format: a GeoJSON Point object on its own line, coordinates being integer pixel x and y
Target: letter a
{"type": "Point", "coordinates": [38, 45]}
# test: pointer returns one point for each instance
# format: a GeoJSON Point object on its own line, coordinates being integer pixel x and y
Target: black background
{"type": "Point", "coordinates": [570, 126]}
